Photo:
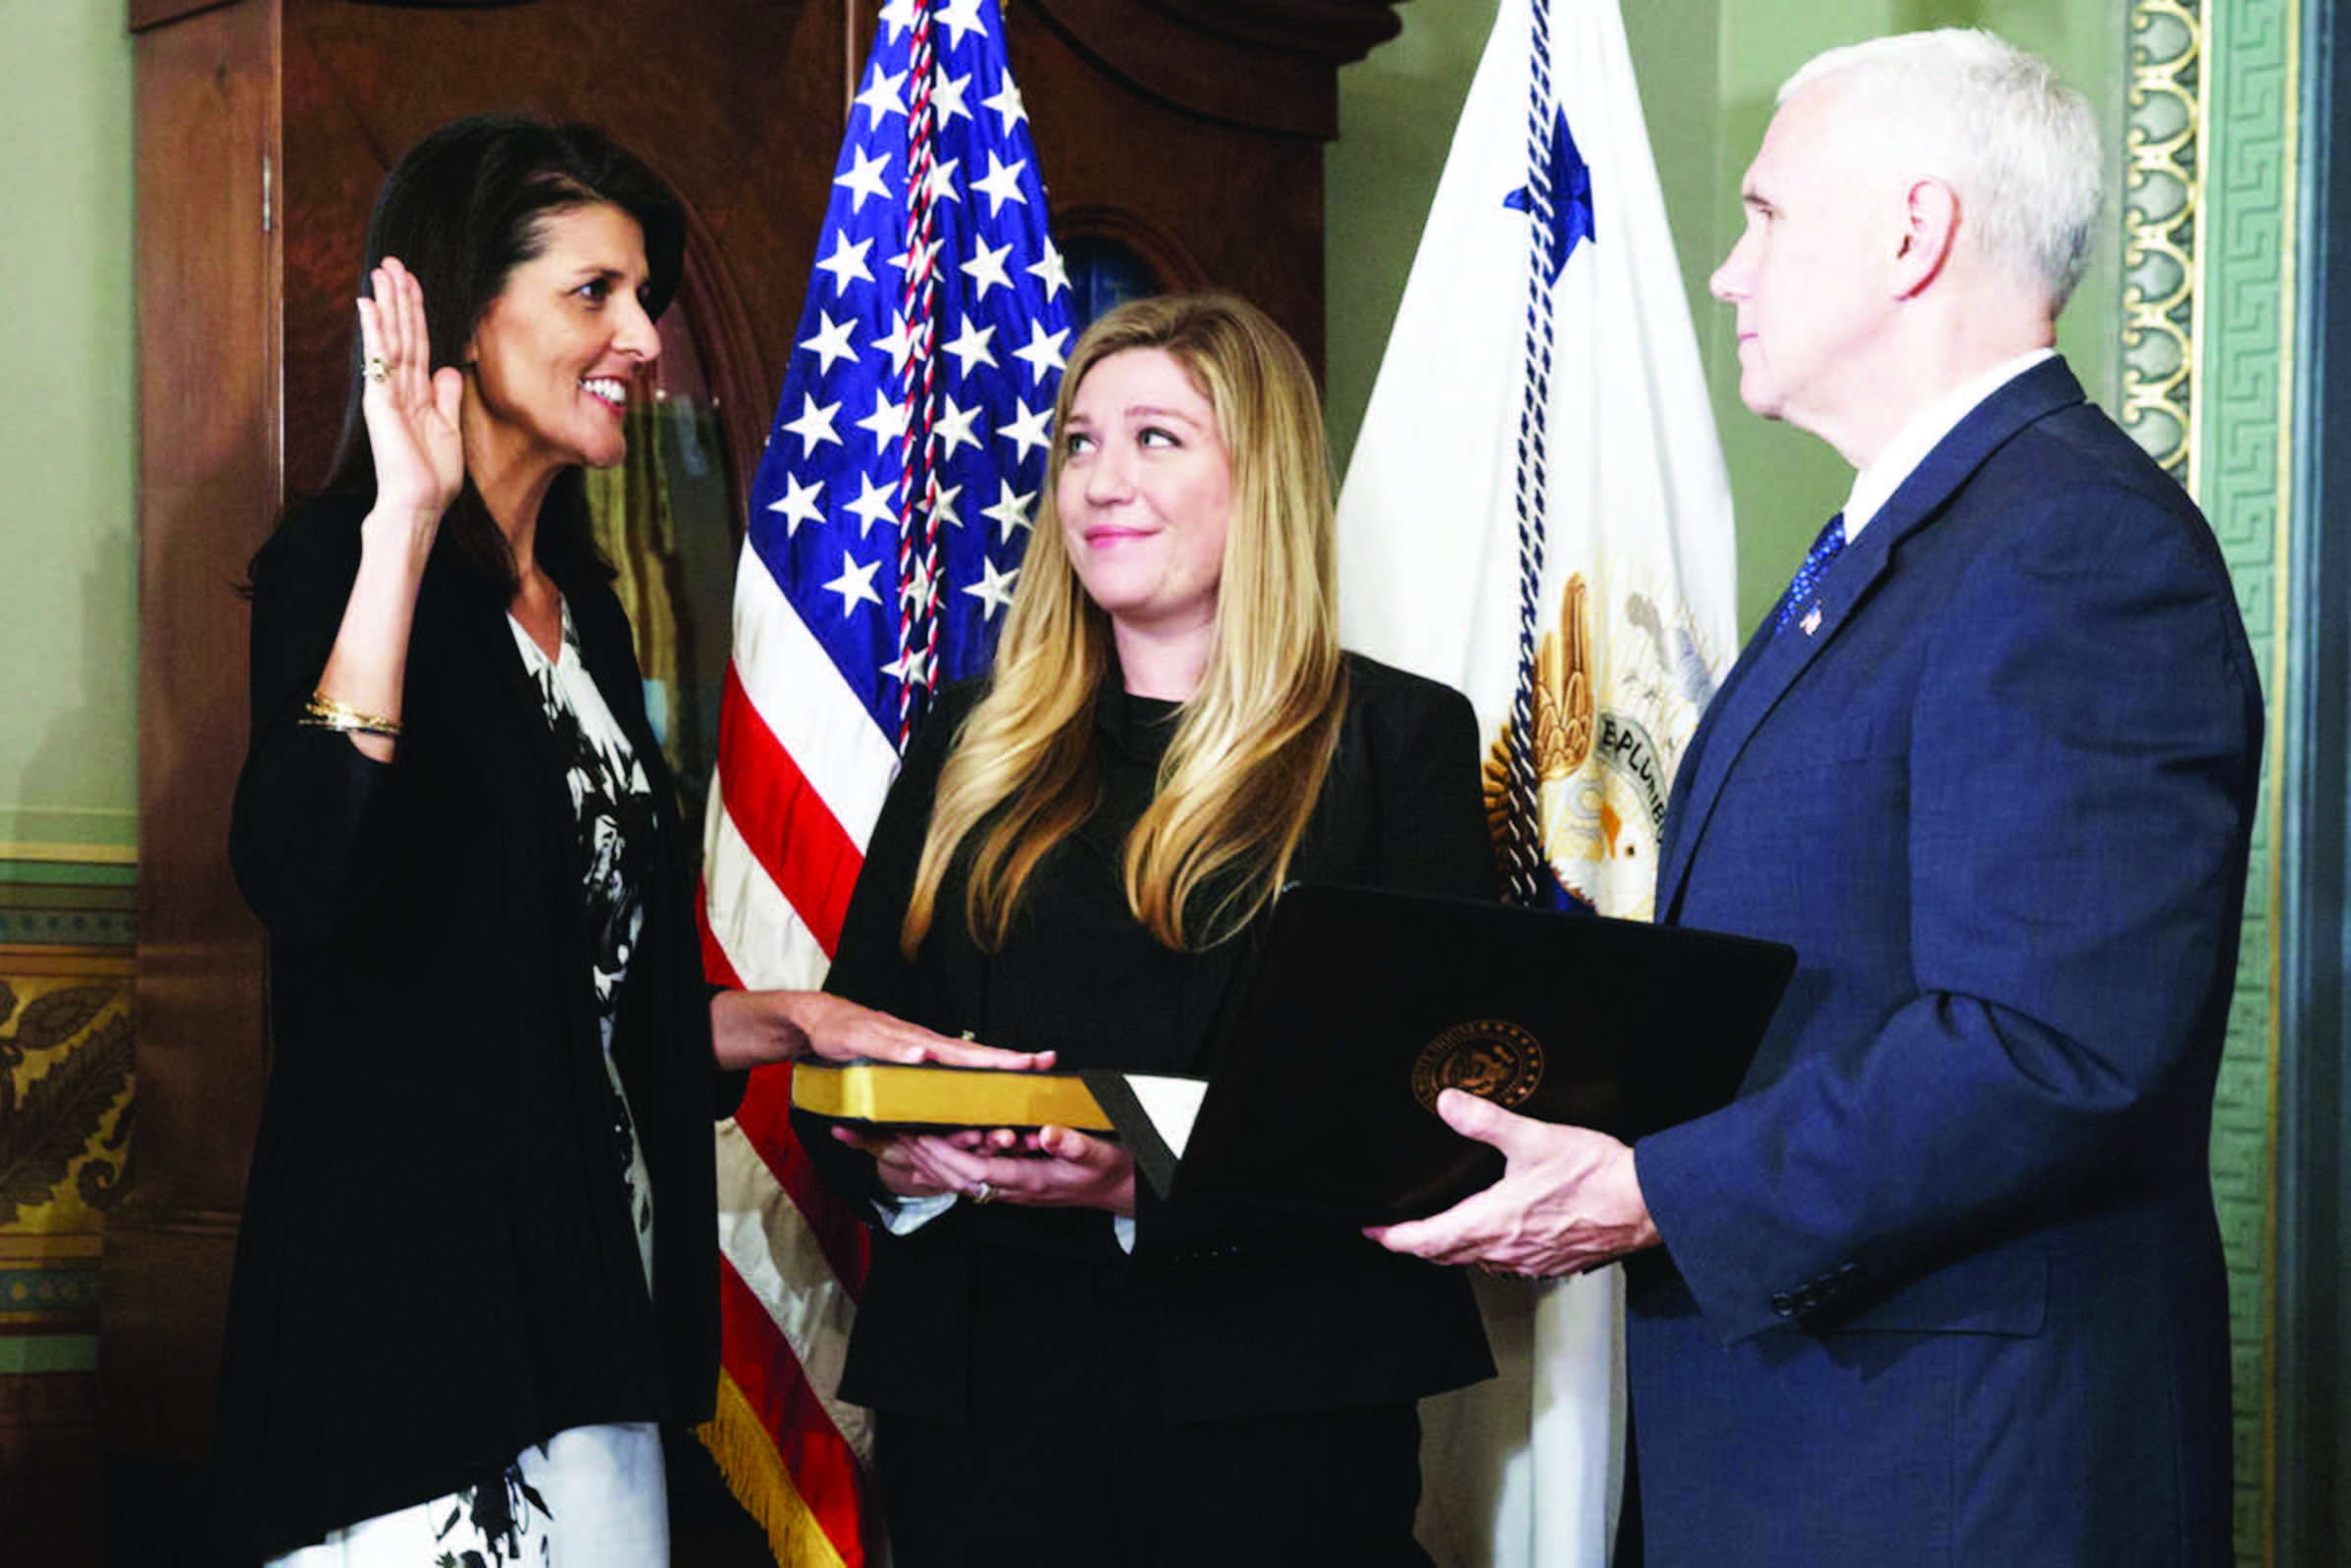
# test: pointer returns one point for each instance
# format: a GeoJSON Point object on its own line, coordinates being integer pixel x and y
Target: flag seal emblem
{"type": "Point", "coordinates": [1490, 1058]}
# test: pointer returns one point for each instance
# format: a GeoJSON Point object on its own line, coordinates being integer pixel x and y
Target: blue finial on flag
{"type": "Point", "coordinates": [1571, 203]}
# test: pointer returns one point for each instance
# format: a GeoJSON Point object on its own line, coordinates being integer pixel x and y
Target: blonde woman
{"type": "Point", "coordinates": [1078, 856]}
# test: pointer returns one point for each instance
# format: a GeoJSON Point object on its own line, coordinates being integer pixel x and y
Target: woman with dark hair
{"type": "Point", "coordinates": [1079, 857]}
{"type": "Point", "coordinates": [476, 1272]}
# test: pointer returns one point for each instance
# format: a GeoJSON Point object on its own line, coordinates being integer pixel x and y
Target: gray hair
{"type": "Point", "coordinates": [2019, 145]}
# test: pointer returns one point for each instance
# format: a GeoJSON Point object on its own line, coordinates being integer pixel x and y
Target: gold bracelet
{"type": "Point", "coordinates": [324, 712]}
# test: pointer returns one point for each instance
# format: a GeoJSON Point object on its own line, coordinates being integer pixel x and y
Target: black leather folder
{"type": "Point", "coordinates": [1366, 1003]}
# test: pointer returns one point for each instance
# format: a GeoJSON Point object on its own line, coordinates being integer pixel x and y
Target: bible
{"type": "Point", "coordinates": [927, 1094]}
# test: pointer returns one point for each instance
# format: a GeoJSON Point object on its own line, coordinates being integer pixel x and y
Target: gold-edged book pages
{"type": "Point", "coordinates": [925, 1095]}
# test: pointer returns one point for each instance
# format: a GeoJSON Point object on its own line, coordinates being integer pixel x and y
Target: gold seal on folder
{"type": "Point", "coordinates": [1486, 1057]}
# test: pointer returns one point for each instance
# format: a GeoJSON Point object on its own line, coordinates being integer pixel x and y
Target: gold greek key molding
{"type": "Point", "coordinates": [2162, 190]}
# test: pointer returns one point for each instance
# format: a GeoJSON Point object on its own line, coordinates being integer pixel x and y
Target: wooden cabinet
{"type": "Point", "coordinates": [1188, 131]}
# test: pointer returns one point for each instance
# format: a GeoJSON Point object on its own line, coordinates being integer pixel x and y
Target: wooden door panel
{"type": "Point", "coordinates": [208, 491]}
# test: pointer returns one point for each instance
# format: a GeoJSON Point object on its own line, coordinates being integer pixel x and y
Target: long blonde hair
{"type": "Point", "coordinates": [1252, 744]}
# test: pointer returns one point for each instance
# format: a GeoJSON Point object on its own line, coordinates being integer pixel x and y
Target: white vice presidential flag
{"type": "Point", "coordinates": [1537, 512]}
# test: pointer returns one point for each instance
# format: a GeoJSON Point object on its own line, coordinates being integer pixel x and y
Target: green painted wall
{"type": "Point", "coordinates": [69, 540]}
{"type": "Point", "coordinates": [1396, 109]}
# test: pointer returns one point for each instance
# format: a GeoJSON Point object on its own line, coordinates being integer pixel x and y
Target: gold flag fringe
{"type": "Point", "coordinates": [745, 1454]}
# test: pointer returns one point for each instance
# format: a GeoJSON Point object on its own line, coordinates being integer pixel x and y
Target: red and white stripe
{"type": "Point", "coordinates": [806, 769]}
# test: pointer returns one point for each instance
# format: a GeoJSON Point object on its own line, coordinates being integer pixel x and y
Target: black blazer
{"type": "Point", "coordinates": [1255, 1317]}
{"type": "Point", "coordinates": [435, 1268]}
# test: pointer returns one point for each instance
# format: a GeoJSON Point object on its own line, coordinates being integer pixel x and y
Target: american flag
{"type": "Point", "coordinates": [885, 533]}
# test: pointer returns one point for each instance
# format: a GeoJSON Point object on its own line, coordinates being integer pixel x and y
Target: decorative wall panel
{"type": "Point", "coordinates": [2207, 355]}
{"type": "Point", "coordinates": [65, 1080]}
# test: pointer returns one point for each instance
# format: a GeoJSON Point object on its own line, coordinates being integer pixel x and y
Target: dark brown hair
{"type": "Point", "coordinates": [461, 210]}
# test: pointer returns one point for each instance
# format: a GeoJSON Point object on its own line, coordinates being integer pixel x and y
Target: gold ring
{"type": "Point", "coordinates": [375, 369]}
{"type": "Point", "coordinates": [983, 1193]}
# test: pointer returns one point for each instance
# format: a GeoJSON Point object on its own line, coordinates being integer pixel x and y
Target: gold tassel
{"type": "Point", "coordinates": [754, 1472]}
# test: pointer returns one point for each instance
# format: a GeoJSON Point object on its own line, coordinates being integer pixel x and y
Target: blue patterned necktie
{"type": "Point", "coordinates": [1799, 596]}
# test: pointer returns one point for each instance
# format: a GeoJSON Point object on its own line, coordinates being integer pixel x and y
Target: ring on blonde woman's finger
{"type": "Point", "coordinates": [983, 1193]}
{"type": "Point", "coordinates": [376, 368]}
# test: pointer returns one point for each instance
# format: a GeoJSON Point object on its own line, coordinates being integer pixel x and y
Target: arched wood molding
{"type": "Point", "coordinates": [1172, 263]}
{"type": "Point", "coordinates": [732, 363]}
{"type": "Point", "coordinates": [1265, 65]}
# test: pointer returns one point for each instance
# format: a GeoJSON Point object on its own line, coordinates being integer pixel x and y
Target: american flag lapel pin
{"type": "Point", "coordinates": [1812, 620]}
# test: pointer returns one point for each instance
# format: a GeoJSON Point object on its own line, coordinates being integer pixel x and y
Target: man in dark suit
{"type": "Point", "coordinates": [1943, 1283]}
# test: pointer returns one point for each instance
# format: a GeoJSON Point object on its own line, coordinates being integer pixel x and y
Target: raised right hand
{"type": "Point", "coordinates": [412, 412]}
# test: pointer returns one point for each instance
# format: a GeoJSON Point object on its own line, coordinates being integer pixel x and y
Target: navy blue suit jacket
{"type": "Point", "coordinates": [1944, 1285]}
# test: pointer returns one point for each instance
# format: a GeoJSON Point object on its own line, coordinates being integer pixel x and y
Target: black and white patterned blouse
{"type": "Point", "coordinates": [612, 811]}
